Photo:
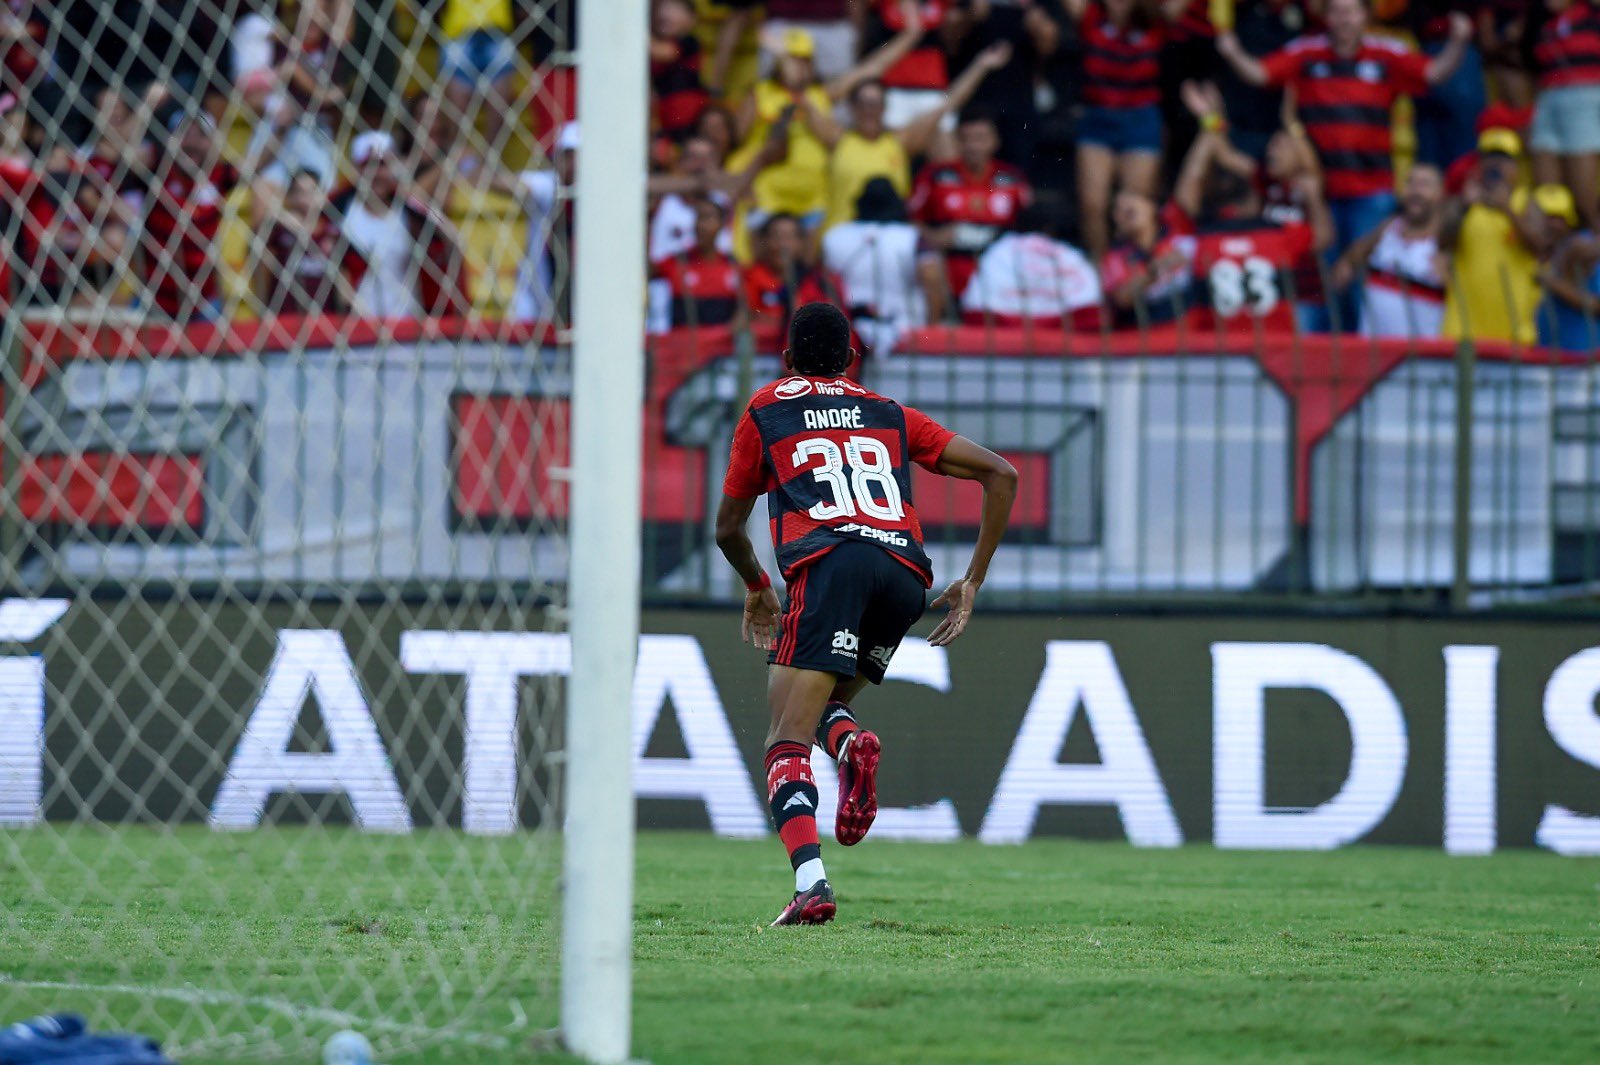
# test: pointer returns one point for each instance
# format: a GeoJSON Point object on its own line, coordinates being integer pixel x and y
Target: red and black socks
{"type": "Point", "coordinates": [838, 724]}
{"type": "Point", "coordinates": [792, 798]}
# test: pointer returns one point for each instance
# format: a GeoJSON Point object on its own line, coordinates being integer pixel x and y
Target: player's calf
{"type": "Point", "coordinates": [792, 799]}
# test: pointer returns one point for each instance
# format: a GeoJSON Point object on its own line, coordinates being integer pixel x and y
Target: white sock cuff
{"type": "Point", "coordinates": [809, 873]}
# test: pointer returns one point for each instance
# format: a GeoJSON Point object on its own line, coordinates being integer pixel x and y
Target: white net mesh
{"type": "Point", "coordinates": [285, 384]}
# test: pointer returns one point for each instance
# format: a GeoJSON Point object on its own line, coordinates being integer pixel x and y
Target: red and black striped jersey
{"type": "Point", "coordinates": [1121, 64]}
{"type": "Point", "coordinates": [679, 94]}
{"type": "Point", "coordinates": [771, 298]}
{"type": "Point", "coordinates": [1247, 269]}
{"type": "Point", "coordinates": [183, 217]}
{"type": "Point", "coordinates": [977, 207]}
{"type": "Point", "coordinates": [924, 67]}
{"type": "Point", "coordinates": [705, 288]}
{"type": "Point", "coordinates": [1568, 52]}
{"type": "Point", "coordinates": [1345, 102]}
{"type": "Point", "coordinates": [834, 460]}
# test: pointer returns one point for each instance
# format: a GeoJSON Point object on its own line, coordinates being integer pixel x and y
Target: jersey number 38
{"type": "Point", "coordinates": [850, 475]}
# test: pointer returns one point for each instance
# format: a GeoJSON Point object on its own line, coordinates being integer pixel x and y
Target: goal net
{"type": "Point", "coordinates": [283, 520]}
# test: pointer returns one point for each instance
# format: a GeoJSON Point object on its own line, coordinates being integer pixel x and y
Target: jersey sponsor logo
{"type": "Point", "coordinates": [793, 388]}
{"type": "Point", "coordinates": [840, 387]}
{"type": "Point", "coordinates": [846, 643]}
{"type": "Point", "coordinates": [834, 419]}
{"type": "Point", "coordinates": [883, 536]}
{"type": "Point", "coordinates": [881, 655]}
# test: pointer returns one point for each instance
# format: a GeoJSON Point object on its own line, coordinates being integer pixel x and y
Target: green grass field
{"type": "Point", "coordinates": [1051, 952]}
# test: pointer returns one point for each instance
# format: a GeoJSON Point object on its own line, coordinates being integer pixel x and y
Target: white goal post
{"type": "Point", "coordinates": [603, 596]}
{"type": "Point", "coordinates": [320, 522]}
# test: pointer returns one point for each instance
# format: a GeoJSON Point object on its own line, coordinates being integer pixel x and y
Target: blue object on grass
{"type": "Point", "coordinates": [64, 1039]}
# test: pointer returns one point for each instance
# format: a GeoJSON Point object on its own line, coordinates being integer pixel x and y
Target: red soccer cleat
{"type": "Point", "coordinates": [858, 788]}
{"type": "Point", "coordinates": [814, 905]}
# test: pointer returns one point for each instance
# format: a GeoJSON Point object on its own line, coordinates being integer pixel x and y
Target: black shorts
{"type": "Point", "coordinates": [848, 612]}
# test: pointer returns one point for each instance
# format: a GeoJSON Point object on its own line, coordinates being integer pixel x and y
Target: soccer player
{"type": "Point", "coordinates": [834, 460]}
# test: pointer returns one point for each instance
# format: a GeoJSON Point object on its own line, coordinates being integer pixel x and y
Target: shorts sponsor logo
{"type": "Point", "coordinates": [881, 655]}
{"type": "Point", "coordinates": [882, 536]}
{"type": "Point", "coordinates": [846, 643]}
{"type": "Point", "coordinates": [793, 388]}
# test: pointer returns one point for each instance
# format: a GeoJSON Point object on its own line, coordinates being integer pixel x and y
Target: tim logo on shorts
{"type": "Point", "coordinates": [846, 643]}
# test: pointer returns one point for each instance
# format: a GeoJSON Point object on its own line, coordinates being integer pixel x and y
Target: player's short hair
{"type": "Point", "coordinates": [819, 340]}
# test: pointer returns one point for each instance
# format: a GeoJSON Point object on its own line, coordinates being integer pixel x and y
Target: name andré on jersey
{"type": "Point", "coordinates": [834, 419]}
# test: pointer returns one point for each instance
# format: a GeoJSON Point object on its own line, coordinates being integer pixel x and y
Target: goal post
{"type": "Point", "coordinates": [320, 522]}
{"type": "Point", "coordinates": [604, 588]}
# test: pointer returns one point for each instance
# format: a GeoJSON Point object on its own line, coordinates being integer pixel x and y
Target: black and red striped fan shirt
{"type": "Point", "coordinates": [1568, 52]}
{"type": "Point", "coordinates": [704, 288]}
{"type": "Point", "coordinates": [182, 220]}
{"type": "Point", "coordinates": [834, 460]}
{"type": "Point", "coordinates": [679, 95]}
{"type": "Point", "coordinates": [1345, 103]}
{"type": "Point", "coordinates": [924, 67]}
{"type": "Point", "coordinates": [1121, 64]}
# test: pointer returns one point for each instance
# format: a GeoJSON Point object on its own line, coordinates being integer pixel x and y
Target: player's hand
{"type": "Point", "coordinates": [958, 599]}
{"type": "Point", "coordinates": [761, 613]}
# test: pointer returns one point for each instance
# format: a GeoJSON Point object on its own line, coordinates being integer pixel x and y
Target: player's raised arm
{"type": "Point", "coordinates": [972, 462]}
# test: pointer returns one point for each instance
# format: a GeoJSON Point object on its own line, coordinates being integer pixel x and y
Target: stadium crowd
{"type": "Point", "coordinates": [1416, 168]}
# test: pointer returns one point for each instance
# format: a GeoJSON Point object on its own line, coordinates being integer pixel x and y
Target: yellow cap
{"type": "Point", "coordinates": [1499, 139]}
{"type": "Point", "coordinates": [798, 43]}
{"type": "Point", "coordinates": [1557, 202]}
